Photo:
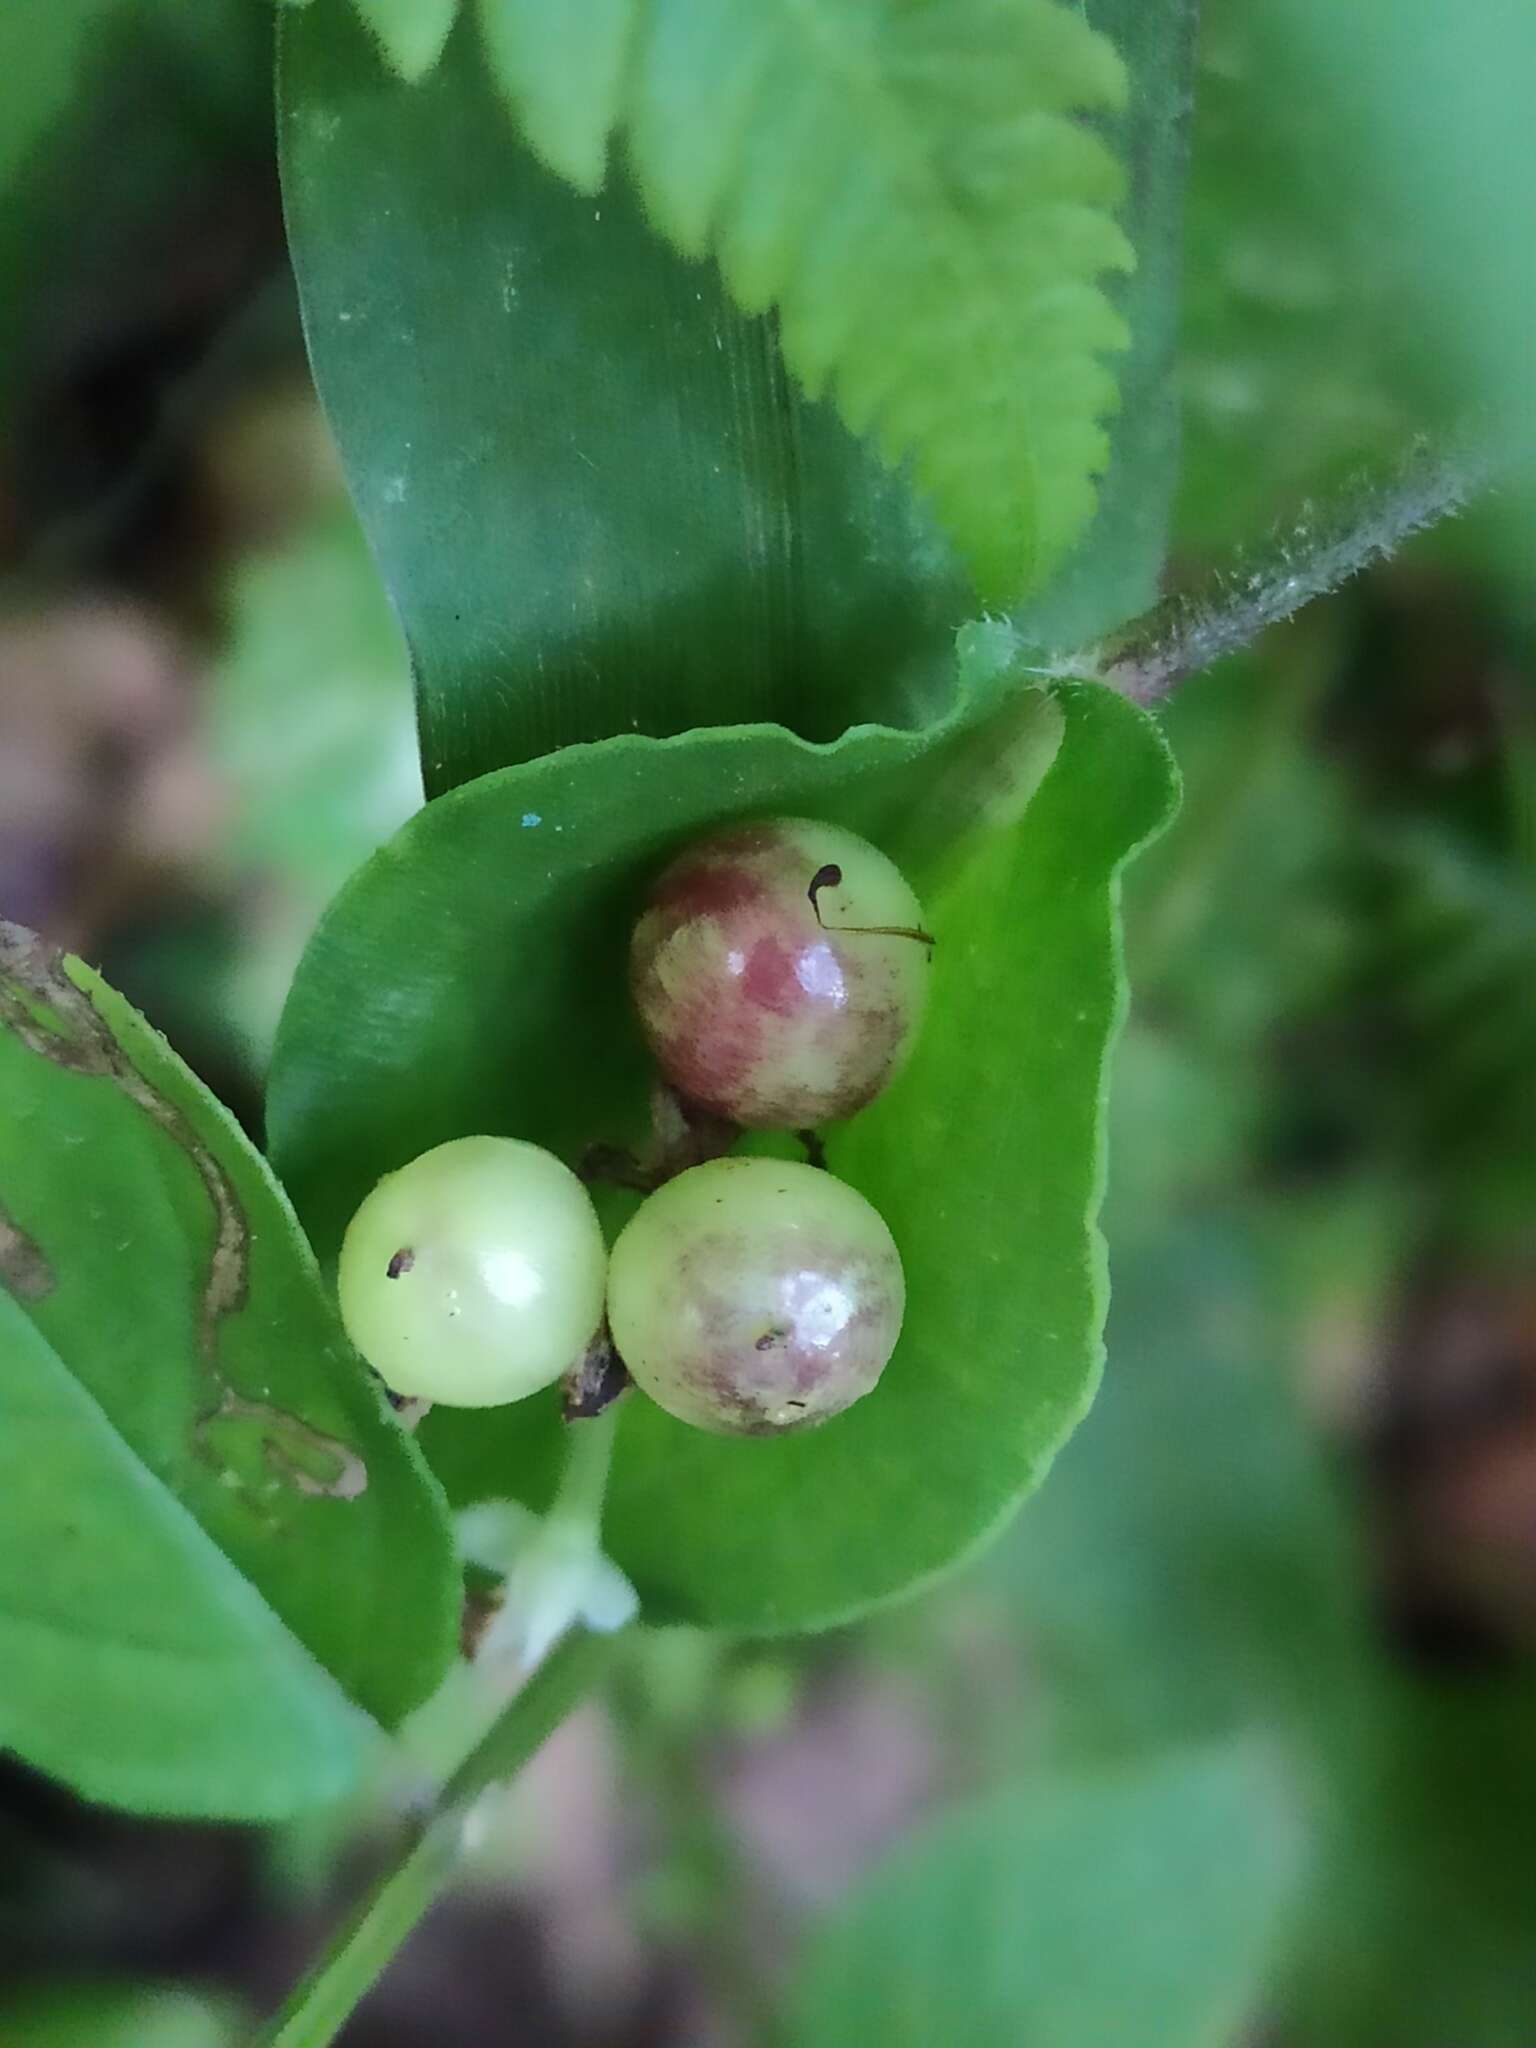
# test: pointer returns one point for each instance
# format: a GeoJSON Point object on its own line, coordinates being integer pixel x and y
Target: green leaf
{"type": "Point", "coordinates": [411, 33]}
{"type": "Point", "coordinates": [1140, 1908]}
{"type": "Point", "coordinates": [162, 1269]}
{"type": "Point", "coordinates": [140, 1667]}
{"type": "Point", "coordinates": [563, 75]}
{"type": "Point", "coordinates": [597, 501]}
{"type": "Point", "coordinates": [472, 977]}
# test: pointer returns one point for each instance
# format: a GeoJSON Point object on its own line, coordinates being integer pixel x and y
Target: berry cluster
{"type": "Point", "coordinates": [779, 970]}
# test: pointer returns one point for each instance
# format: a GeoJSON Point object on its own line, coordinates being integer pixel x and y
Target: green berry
{"type": "Point", "coordinates": [475, 1274]}
{"type": "Point", "coordinates": [779, 971]}
{"type": "Point", "coordinates": [749, 1296]}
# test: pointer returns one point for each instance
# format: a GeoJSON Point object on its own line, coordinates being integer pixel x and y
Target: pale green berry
{"type": "Point", "coordinates": [475, 1274]}
{"type": "Point", "coordinates": [749, 1296]}
{"type": "Point", "coordinates": [779, 971]}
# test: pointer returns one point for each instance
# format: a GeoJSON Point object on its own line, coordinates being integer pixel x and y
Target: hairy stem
{"type": "Point", "coordinates": [1185, 634]}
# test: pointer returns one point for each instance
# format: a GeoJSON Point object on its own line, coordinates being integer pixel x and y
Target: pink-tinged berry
{"type": "Point", "coordinates": [749, 1297]}
{"type": "Point", "coordinates": [779, 970]}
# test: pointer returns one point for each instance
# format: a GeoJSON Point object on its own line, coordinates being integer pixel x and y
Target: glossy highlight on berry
{"type": "Point", "coordinates": [751, 1297]}
{"type": "Point", "coordinates": [779, 971]}
{"type": "Point", "coordinates": [475, 1274]}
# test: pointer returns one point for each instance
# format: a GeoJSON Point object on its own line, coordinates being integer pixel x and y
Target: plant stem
{"type": "Point", "coordinates": [584, 1482]}
{"type": "Point", "coordinates": [1184, 634]}
{"type": "Point", "coordinates": [325, 2001]}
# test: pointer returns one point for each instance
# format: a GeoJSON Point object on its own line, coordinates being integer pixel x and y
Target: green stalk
{"type": "Point", "coordinates": [584, 1482]}
{"type": "Point", "coordinates": [365, 1946]}
{"type": "Point", "coordinates": [358, 1957]}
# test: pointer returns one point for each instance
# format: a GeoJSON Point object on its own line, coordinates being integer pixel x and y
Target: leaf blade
{"type": "Point", "coordinates": [183, 1297]}
{"type": "Point", "coordinates": [140, 1667]}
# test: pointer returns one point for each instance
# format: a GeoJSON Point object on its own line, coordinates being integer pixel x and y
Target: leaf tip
{"type": "Point", "coordinates": [411, 34]}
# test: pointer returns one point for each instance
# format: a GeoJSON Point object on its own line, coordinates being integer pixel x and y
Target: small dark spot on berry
{"type": "Point", "coordinates": [828, 877]}
{"type": "Point", "coordinates": [402, 1262]}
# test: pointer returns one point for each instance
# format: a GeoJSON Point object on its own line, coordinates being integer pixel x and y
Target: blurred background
{"type": "Point", "coordinates": [1279, 1595]}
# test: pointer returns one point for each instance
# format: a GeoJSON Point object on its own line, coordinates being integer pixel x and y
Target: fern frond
{"type": "Point", "coordinates": [563, 73]}
{"type": "Point", "coordinates": [1456, 951]}
{"type": "Point", "coordinates": [911, 184]}
{"type": "Point", "coordinates": [411, 33]}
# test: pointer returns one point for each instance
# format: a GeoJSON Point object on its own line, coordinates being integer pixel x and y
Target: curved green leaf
{"type": "Point", "coordinates": [162, 1271]}
{"type": "Point", "coordinates": [596, 498]}
{"type": "Point", "coordinates": [472, 977]}
{"type": "Point", "coordinates": [140, 1667]}
{"type": "Point", "coordinates": [1142, 1907]}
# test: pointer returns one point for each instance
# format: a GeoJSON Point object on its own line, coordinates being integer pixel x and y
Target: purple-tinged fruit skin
{"type": "Point", "coordinates": [751, 1297]}
{"type": "Point", "coordinates": [760, 1010]}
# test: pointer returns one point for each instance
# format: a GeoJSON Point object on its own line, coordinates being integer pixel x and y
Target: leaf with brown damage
{"type": "Point", "coordinates": [53, 1015]}
{"type": "Point", "coordinates": [24, 1268]}
{"type": "Point", "coordinates": [153, 1251]}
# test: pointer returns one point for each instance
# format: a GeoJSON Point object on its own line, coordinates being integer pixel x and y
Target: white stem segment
{"type": "Point", "coordinates": [556, 1573]}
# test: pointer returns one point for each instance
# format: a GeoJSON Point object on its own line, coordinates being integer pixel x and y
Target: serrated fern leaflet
{"type": "Point", "coordinates": [911, 183]}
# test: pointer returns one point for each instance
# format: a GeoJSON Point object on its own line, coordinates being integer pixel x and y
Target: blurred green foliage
{"type": "Point", "coordinates": [1137, 1906]}
{"type": "Point", "coordinates": [129, 2016]}
{"type": "Point", "coordinates": [318, 776]}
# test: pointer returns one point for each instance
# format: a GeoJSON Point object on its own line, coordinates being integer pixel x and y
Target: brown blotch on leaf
{"type": "Point", "coordinates": [24, 1267]}
{"type": "Point", "coordinates": [54, 1015]}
